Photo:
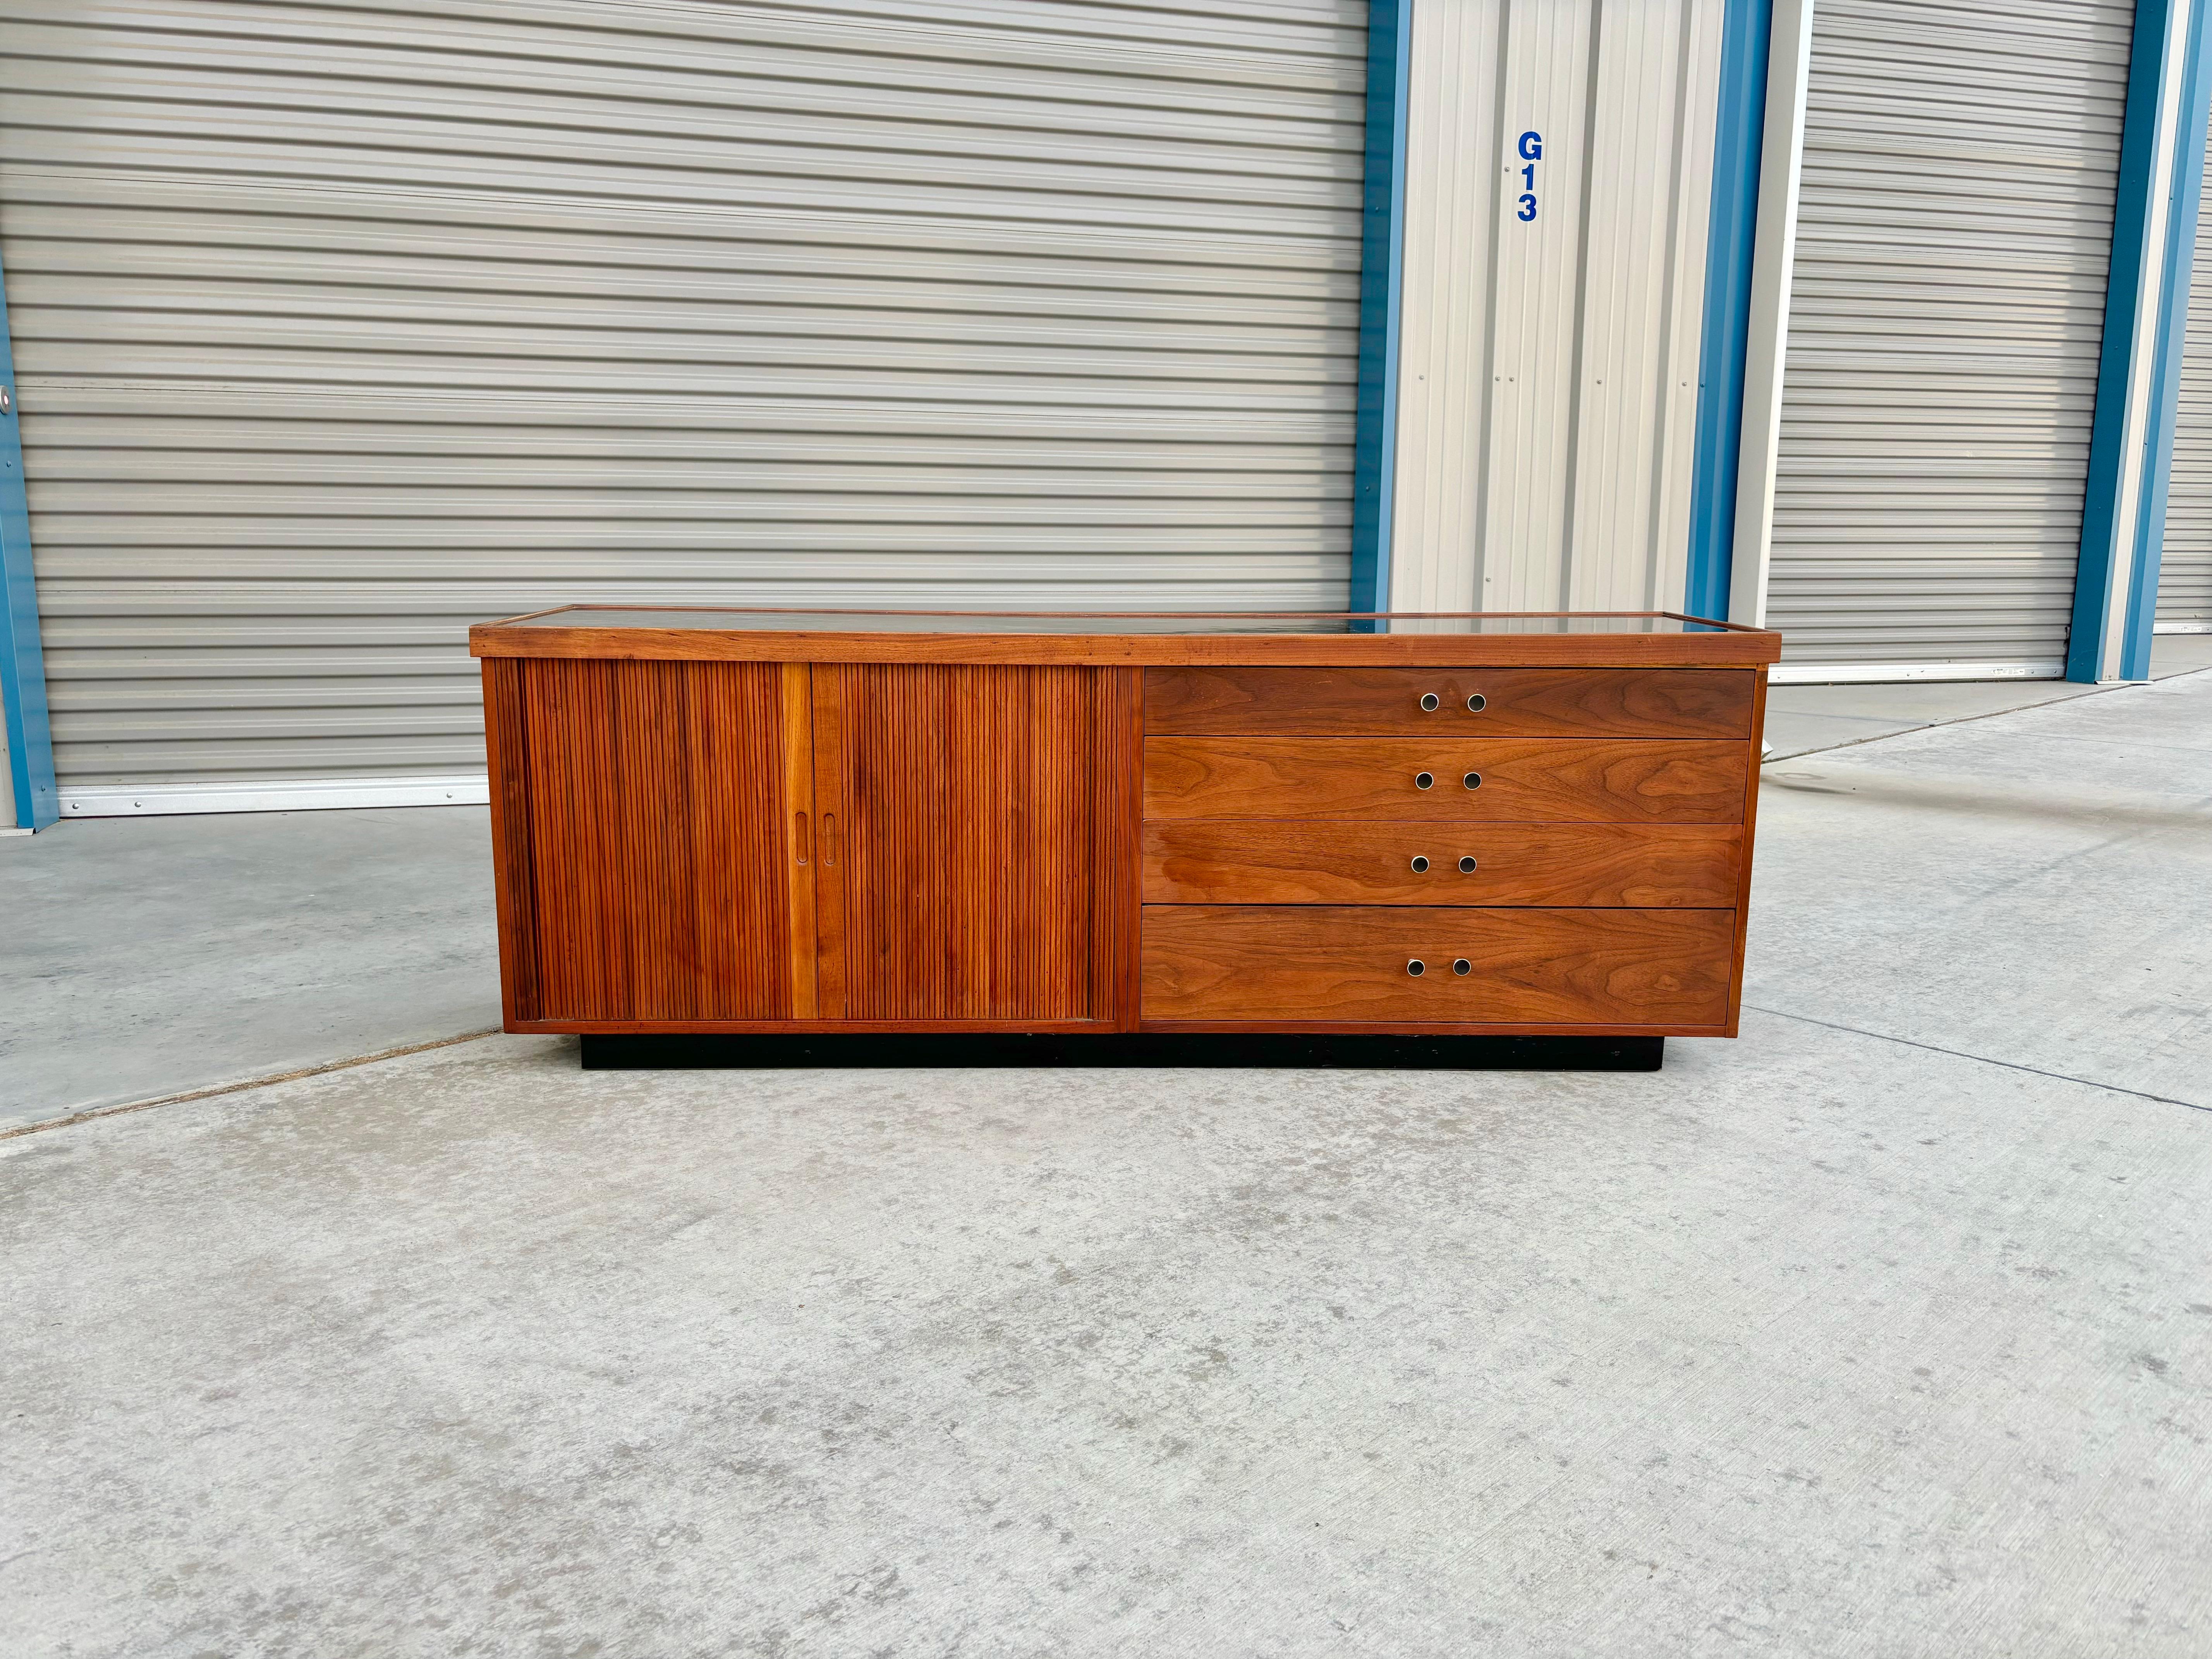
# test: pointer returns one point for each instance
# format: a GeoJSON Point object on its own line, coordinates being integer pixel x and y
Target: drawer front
{"type": "Point", "coordinates": [1509, 703]}
{"type": "Point", "coordinates": [1518, 779]}
{"type": "Point", "coordinates": [1613, 865]}
{"type": "Point", "coordinates": [1537, 967]}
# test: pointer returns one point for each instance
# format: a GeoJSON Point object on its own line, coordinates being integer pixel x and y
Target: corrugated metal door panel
{"type": "Point", "coordinates": [2184, 571]}
{"type": "Point", "coordinates": [1946, 313]}
{"type": "Point", "coordinates": [1546, 379]}
{"type": "Point", "coordinates": [342, 325]}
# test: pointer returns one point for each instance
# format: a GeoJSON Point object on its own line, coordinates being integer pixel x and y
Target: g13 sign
{"type": "Point", "coordinates": [1532, 151]}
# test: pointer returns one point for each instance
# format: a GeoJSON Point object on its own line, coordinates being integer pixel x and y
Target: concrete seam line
{"type": "Point", "coordinates": [213, 1090]}
{"type": "Point", "coordinates": [1965, 720]}
{"type": "Point", "coordinates": [1960, 1054]}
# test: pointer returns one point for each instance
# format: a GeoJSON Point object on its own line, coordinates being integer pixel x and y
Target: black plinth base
{"type": "Point", "coordinates": [633, 1052]}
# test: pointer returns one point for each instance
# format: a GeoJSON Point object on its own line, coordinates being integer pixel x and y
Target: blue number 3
{"type": "Point", "coordinates": [1528, 210]}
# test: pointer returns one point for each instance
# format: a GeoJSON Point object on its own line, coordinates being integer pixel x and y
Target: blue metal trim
{"type": "Point", "coordinates": [2126, 293]}
{"type": "Point", "coordinates": [1739, 135]}
{"type": "Point", "coordinates": [22, 664]}
{"type": "Point", "coordinates": [2171, 337]}
{"type": "Point", "coordinates": [1382, 278]}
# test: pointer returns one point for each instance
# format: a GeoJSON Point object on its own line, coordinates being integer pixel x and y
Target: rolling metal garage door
{"type": "Point", "coordinates": [2184, 571]}
{"type": "Point", "coordinates": [342, 325]}
{"type": "Point", "coordinates": [1947, 309]}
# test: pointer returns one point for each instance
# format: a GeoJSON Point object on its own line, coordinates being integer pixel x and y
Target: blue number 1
{"type": "Point", "coordinates": [1527, 209]}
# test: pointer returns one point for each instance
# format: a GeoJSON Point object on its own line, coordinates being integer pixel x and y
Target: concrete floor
{"type": "Point", "coordinates": [1803, 718]}
{"type": "Point", "coordinates": [1884, 1330]}
{"type": "Point", "coordinates": [147, 956]}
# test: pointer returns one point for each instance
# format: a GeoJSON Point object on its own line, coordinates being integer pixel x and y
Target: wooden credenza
{"type": "Point", "coordinates": [762, 821]}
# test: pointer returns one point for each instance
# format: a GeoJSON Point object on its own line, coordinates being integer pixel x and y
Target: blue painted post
{"type": "Point", "coordinates": [1739, 130]}
{"type": "Point", "coordinates": [1389, 55]}
{"type": "Point", "coordinates": [2188, 184]}
{"type": "Point", "coordinates": [2139, 365]}
{"type": "Point", "coordinates": [22, 664]}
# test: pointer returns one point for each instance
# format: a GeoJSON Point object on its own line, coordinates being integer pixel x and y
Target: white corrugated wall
{"type": "Point", "coordinates": [1547, 380]}
{"type": "Point", "coordinates": [343, 325]}
{"type": "Point", "coordinates": [2184, 571]}
{"type": "Point", "coordinates": [1953, 238]}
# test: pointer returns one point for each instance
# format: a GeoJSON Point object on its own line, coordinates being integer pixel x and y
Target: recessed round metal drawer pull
{"type": "Point", "coordinates": [1475, 703]}
{"type": "Point", "coordinates": [1417, 967]}
{"type": "Point", "coordinates": [1424, 780]}
{"type": "Point", "coordinates": [1420, 864]}
{"type": "Point", "coordinates": [1473, 779]}
{"type": "Point", "coordinates": [1430, 701]}
{"type": "Point", "coordinates": [1466, 866]}
{"type": "Point", "coordinates": [1462, 966]}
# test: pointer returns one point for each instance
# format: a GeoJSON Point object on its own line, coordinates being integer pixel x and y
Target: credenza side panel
{"type": "Point", "coordinates": [662, 840]}
{"type": "Point", "coordinates": [966, 810]}
{"type": "Point", "coordinates": [505, 751]}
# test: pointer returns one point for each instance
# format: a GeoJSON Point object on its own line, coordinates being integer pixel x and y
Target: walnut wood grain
{"type": "Point", "coordinates": [1633, 968]}
{"type": "Point", "coordinates": [657, 840]}
{"type": "Point", "coordinates": [1523, 780]}
{"type": "Point", "coordinates": [796, 694]}
{"type": "Point", "coordinates": [1433, 1027]}
{"type": "Point", "coordinates": [1746, 649]}
{"type": "Point", "coordinates": [1550, 702]}
{"type": "Point", "coordinates": [1203, 861]}
{"type": "Point", "coordinates": [1115, 874]}
{"type": "Point", "coordinates": [826, 741]}
{"type": "Point", "coordinates": [776, 840]}
{"type": "Point", "coordinates": [1753, 754]}
{"type": "Point", "coordinates": [965, 808]}
{"type": "Point", "coordinates": [506, 748]}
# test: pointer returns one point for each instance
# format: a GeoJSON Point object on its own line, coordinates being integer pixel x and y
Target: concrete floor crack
{"type": "Point", "coordinates": [1960, 1054]}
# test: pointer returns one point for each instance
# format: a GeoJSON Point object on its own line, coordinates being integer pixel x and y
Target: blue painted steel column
{"type": "Point", "coordinates": [22, 664]}
{"type": "Point", "coordinates": [1381, 267]}
{"type": "Point", "coordinates": [2139, 367]}
{"type": "Point", "coordinates": [2172, 332]}
{"type": "Point", "coordinates": [1739, 134]}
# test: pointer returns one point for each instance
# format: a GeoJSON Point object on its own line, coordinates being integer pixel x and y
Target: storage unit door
{"type": "Point", "coordinates": [2184, 571]}
{"type": "Point", "coordinates": [1947, 311]}
{"type": "Point", "coordinates": [342, 325]}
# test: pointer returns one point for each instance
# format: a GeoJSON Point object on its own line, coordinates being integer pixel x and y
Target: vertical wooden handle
{"type": "Point", "coordinates": [798, 846]}
{"type": "Point", "coordinates": [830, 839]}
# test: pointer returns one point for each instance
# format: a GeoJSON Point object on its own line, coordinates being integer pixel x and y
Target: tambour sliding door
{"type": "Point", "coordinates": [652, 820]}
{"type": "Point", "coordinates": [750, 843]}
{"type": "Point", "coordinates": [977, 842]}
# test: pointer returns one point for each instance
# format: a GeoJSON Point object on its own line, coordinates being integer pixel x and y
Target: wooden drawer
{"type": "Point", "coordinates": [1515, 703]}
{"type": "Point", "coordinates": [1521, 780]}
{"type": "Point", "coordinates": [1530, 967]}
{"type": "Point", "coordinates": [1673, 865]}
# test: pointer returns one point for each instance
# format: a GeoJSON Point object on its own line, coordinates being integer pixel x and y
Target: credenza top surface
{"type": "Point", "coordinates": [1124, 639]}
